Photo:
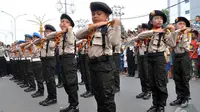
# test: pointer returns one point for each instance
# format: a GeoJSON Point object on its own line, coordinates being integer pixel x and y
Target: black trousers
{"type": "Point", "coordinates": [70, 79]}
{"type": "Point", "coordinates": [23, 70]}
{"type": "Point", "coordinates": [8, 67]}
{"type": "Point", "coordinates": [116, 58]}
{"type": "Point", "coordinates": [16, 68]}
{"type": "Point", "coordinates": [48, 68]}
{"type": "Point", "coordinates": [58, 69]}
{"type": "Point", "coordinates": [103, 84]}
{"type": "Point", "coordinates": [2, 66]}
{"type": "Point", "coordinates": [37, 70]}
{"type": "Point", "coordinates": [158, 78]}
{"type": "Point", "coordinates": [12, 65]}
{"type": "Point", "coordinates": [143, 73]}
{"type": "Point", "coordinates": [181, 75]}
{"type": "Point", "coordinates": [30, 75]}
{"type": "Point", "coordinates": [131, 62]}
{"type": "Point", "coordinates": [82, 67]}
{"type": "Point", "coordinates": [85, 71]}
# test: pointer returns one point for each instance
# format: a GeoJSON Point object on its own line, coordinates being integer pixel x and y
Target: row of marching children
{"type": "Point", "coordinates": [99, 48]}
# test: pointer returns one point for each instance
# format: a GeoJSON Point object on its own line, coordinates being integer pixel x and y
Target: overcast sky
{"type": "Point", "coordinates": [48, 7]}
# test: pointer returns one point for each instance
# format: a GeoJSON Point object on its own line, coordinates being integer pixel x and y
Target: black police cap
{"type": "Point", "coordinates": [158, 13]}
{"type": "Point", "coordinates": [65, 16]}
{"type": "Point", "coordinates": [49, 27]}
{"type": "Point", "coordinates": [187, 22]}
{"type": "Point", "coordinates": [100, 6]}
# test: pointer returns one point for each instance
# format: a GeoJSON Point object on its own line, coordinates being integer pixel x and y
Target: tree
{"type": "Point", "coordinates": [166, 11]}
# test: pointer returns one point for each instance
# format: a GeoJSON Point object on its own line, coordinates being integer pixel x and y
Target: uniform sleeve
{"type": "Point", "coordinates": [145, 34]}
{"type": "Point", "coordinates": [28, 46]}
{"type": "Point", "coordinates": [51, 35]}
{"type": "Point", "coordinates": [83, 33]}
{"type": "Point", "coordinates": [70, 37]}
{"type": "Point", "coordinates": [37, 41]}
{"type": "Point", "coordinates": [114, 35]}
{"type": "Point", "coordinates": [170, 39]}
{"type": "Point", "coordinates": [132, 40]}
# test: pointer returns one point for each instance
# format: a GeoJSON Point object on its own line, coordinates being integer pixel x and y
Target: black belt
{"type": "Point", "coordinates": [181, 54]}
{"type": "Point", "coordinates": [142, 56]}
{"type": "Point", "coordinates": [47, 58]}
{"type": "Point", "coordinates": [101, 59]}
{"type": "Point", "coordinates": [68, 56]}
{"type": "Point", "coordinates": [116, 54]}
{"type": "Point", "coordinates": [155, 54]}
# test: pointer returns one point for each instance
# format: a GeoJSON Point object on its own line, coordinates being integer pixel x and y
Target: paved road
{"type": "Point", "coordinates": [14, 99]}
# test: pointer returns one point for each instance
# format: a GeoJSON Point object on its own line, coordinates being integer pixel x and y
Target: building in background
{"type": "Point", "coordinates": [186, 8]}
{"type": "Point", "coordinates": [194, 9]}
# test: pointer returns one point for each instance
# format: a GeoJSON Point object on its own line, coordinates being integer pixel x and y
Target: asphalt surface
{"type": "Point", "coordinates": [14, 99]}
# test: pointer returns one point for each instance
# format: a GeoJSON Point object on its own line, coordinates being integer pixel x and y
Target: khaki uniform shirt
{"type": "Point", "coordinates": [69, 42]}
{"type": "Point", "coordinates": [50, 51]}
{"type": "Point", "coordinates": [112, 38]}
{"type": "Point", "coordinates": [2, 51]}
{"type": "Point", "coordinates": [183, 43]}
{"type": "Point", "coordinates": [27, 53]}
{"type": "Point", "coordinates": [153, 48]}
{"type": "Point", "coordinates": [117, 49]}
{"type": "Point", "coordinates": [142, 49]}
{"type": "Point", "coordinates": [36, 51]}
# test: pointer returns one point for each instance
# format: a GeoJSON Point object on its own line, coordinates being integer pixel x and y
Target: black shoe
{"type": "Point", "coordinates": [152, 109]}
{"type": "Point", "coordinates": [12, 78]}
{"type": "Point", "coordinates": [60, 85]}
{"type": "Point", "coordinates": [130, 76]}
{"type": "Point", "coordinates": [43, 101]}
{"type": "Point", "coordinates": [17, 81]}
{"type": "Point", "coordinates": [178, 101]}
{"type": "Point", "coordinates": [49, 101]}
{"type": "Point", "coordinates": [160, 109]}
{"type": "Point", "coordinates": [70, 109]}
{"type": "Point", "coordinates": [24, 86]}
{"type": "Point", "coordinates": [84, 93]}
{"type": "Point", "coordinates": [117, 90]}
{"type": "Point", "coordinates": [147, 96]}
{"type": "Point", "coordinates": [81, 83]}
{"type": "Point", "coordinates": [37, 94]}
{"type": "Point", "coordinates": [89, 94]}
{"type": "Point", "coordinates": [20, 83]}
{"type": "Point", "coordinates": [29, 89]}
{"type": "Point", "coordinates": [141, 95]}
{"type": "Point", "coordinates": [184, 103]}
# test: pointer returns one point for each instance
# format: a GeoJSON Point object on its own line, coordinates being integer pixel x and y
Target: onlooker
{"type": "Point", "coordinates": [196, 24]}
{"type": "Point", "coordinates": [194, 54]}
{"type": "Point", "coordinates": [130, 52]}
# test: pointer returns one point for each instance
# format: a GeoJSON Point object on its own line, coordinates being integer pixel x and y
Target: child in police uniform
{"type": "Point", "coordinates": [156, 46]}
{"type": "Point", "coordinates": [102, 67]}
{"type": "Point", "coordinates": [65, 39]}
{"type": "Point", "coordinates": [182, 63]}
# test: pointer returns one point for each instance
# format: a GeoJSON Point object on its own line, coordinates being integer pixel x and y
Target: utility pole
{"type": "Point", "coordinates": [14, 19]}
{"type": "Point", "coordinates": [117, 11]}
